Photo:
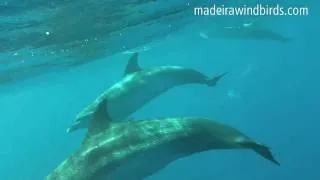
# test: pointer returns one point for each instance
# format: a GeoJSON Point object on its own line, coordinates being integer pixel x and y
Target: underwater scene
{"type": "Point", "coordinates": [159, 90]}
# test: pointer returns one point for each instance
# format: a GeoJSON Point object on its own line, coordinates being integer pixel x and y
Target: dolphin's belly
{"type": "Point", "coordinates": [143, 165]}
{"type": "Point", "coordinates": [135, 95]}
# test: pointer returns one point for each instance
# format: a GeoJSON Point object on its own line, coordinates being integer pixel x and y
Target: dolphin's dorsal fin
{"type": "Point", "coordinates": [100, 120]}
{"type": "Point", "coordinates": [133, 65]}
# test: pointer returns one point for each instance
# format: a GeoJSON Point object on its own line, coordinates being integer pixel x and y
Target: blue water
{"type": "Point", "coordinates": [271, 93]}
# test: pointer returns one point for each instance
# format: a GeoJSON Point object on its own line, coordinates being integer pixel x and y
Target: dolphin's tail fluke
{"type": "Point", "coordinates": [262, 150]}
{"type": "Point", "coordinates": [214, 80]}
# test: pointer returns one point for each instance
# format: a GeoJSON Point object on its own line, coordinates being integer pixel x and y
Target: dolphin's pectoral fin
{"type": "Point", "coordinates": [133, 65]}
{"type": "Point", "coordinates": [214, 80]}
{"type": "Point", "coordinates": [100, 121]}
{"type": "Point", "coordinates": [262, 150]}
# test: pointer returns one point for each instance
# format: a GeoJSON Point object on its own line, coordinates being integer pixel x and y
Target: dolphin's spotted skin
{"type": "Point", "coordinates": [137, 149]}
{"type": "Point", "coordinates": [138, 87]}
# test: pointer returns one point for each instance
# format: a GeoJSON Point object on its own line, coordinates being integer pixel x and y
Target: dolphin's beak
{"type": "Point", "coordinates": [68, 130]}
{"type": "Point", "coordinates": [72, 128]}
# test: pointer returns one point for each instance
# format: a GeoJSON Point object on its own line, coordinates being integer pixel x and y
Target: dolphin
{"type": "Point", "coordinates": [138, 87]}
{"type": "Point", "coordinates": [137, 149]}
{"type": "Point", "coordinates": [245, 31]}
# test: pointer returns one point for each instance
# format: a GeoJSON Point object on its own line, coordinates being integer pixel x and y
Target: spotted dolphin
{"type": "Point", "coordinates": [245, 31]}
{"type": "Point", "coordinates": [138, 87]}
{"type": "Point", "coordinates": [137, 149]}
